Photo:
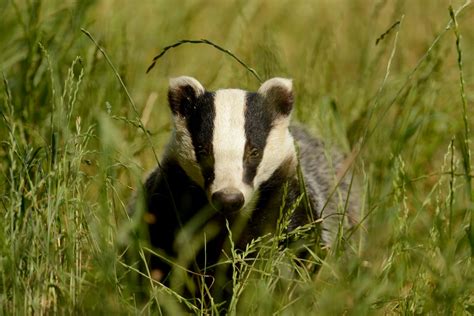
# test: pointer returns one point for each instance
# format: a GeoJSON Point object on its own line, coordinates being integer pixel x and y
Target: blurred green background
{"type": "Point", "coordinates": [382, 77]}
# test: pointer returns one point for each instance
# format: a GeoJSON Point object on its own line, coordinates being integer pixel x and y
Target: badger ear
{"type": "Point", "coordinates": [279, 93]}
{"type": "Point", "coordinates": [182, 92]}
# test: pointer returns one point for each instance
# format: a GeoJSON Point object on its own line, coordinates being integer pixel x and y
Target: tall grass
{"type": "Point", "coordinates": [390, 81]}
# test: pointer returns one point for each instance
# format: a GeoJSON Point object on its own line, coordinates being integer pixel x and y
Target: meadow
{"type": "Point", "coordinates": [82, 123]}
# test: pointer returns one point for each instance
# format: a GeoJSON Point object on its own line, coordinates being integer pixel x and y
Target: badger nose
{"type": "Point", "coordinates": [229, 199]}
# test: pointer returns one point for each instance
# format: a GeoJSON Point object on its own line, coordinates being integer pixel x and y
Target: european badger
{"type": "Point", "coordinates": [231, 155]}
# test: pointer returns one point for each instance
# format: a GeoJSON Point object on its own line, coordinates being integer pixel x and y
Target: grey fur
{"type": "Point", "coordinates": [320, 168]}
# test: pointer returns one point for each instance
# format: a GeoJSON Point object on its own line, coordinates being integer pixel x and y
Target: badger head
{"type": "Point", "coordinates": [231, 141]}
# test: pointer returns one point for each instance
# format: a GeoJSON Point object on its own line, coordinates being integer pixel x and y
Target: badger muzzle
{"type": "Point", "coordinates": [228, 199]}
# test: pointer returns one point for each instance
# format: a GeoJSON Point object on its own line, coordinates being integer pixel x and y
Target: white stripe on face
{"type": "Point", "coordinates": [182, 148]}
{"type": "Point", "coordinates": [279, 147]}
{"type": "Point", "coordinates": [229, 141]}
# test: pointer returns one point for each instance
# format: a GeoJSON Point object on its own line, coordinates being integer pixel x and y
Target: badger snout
{"type": "Point", "coordinates": [230, 199]}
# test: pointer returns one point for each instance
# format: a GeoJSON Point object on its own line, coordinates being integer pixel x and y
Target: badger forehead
{"type": "Point", "coordinates": [229, 116]}
{"type": "Point", "coordinates": [225, 112]}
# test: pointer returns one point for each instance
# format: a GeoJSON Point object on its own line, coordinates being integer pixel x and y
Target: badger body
{"type": "Point", "coordinates": [233, 160]}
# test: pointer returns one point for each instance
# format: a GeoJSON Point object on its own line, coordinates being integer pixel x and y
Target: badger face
{"type": "Point", "coordinates": [231, 141]}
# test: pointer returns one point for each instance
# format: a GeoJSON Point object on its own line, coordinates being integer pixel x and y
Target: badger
{"type": "Point", "coordinates": [234, 157]}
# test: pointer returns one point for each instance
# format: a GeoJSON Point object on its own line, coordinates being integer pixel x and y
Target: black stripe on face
{"type": "Point", "coordinates": [200, 123]}
{"type": "Point", "coordinates": [258, 123]}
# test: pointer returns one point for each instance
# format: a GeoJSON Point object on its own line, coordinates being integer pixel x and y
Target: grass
{"type": "Point", "coordinates": [392, 81]}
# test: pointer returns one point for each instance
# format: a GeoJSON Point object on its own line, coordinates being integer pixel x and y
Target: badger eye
{"type": "Point", "coordinates": [201, 150]}
{"type": "Point", "coordinates": [254, 153]}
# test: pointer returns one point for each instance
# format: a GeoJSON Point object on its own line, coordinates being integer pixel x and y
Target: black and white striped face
{"type": "Point", "coordinates": [231, 141]}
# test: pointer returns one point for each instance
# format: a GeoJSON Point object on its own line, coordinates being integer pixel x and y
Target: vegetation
{"type": "Point", "coordinates": [391, 81]}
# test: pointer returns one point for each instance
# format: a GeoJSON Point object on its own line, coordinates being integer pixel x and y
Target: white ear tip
{"type": "Point", "coordinates": [183, 81]}
{"type": "Point", "coordinates": [285, 83]}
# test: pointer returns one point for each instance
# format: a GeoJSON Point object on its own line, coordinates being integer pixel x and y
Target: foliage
{"type": "Point", "coordinates": [392, 81]}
